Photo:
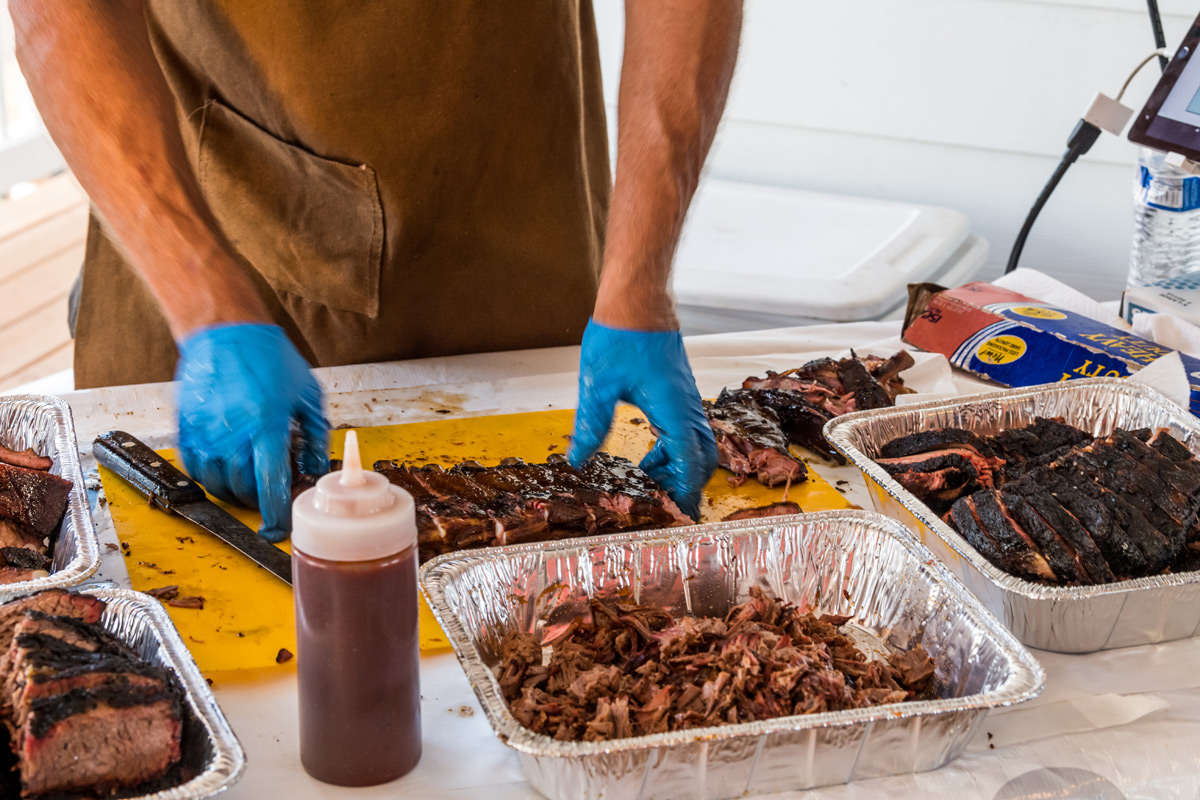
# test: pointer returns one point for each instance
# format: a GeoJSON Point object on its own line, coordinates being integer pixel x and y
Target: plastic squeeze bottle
{"type": "Point", "coordinates": [354, 571]}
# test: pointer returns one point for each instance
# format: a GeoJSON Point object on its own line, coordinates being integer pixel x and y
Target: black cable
{"type": "Point", "coordinates": [1080, 141]}
{"type": "Point", "coordinates": [1160, 38]}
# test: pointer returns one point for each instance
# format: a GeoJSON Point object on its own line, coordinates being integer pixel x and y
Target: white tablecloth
{"type": "Point", "coordinates": [1118, 724]}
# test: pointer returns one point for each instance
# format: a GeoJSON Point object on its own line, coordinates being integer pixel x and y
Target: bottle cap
{"type": "Point", "coordinates": [353, 514]}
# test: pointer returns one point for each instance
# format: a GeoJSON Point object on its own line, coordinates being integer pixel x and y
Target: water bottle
{"type": "Point", "coordinates": [1166, 225]}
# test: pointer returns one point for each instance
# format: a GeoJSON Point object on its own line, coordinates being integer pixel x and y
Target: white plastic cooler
{"type": "Point", "coordinates": [755, 257]}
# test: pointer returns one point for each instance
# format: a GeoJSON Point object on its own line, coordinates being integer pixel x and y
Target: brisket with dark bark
{"type": "Point", "coordinates": [839, 387]}
{"type": "Point", "coordinates": [635, 670]}
{"type": "Point", "coordinates": [1027, 448]}
{"type": "Point", "coordinates": [751, 442]}
{"type": "Point", "coordinates": [84, 713]}
{"type": "Point", "coordinates": [52, 602]}
{"type": "Point", "coordinates": [1061, 506]}
{"type": "Point", "coordinates": [470, 505]}
{"type": "Point", "coordinates": [799, 420]}
{"type": "Point", "coordinates": [22, 564]}
{"type": "Point", "coordinates": [123, 733]}
{"type": "Point", "coordinates": [755, 424]}
{"type": "Point", "coordinates": [941, 466]}
{"type": "Point", "coordinates": [31, 504]}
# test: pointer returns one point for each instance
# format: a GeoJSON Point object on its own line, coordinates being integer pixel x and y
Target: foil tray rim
{"type": "Point", "coordinates": [228, 760]}
{"type": "Point", "coordinates": [838, 431]}
{"type": "Point", "coordinates": [77, 520]}
{"type": "Point", "coordinates": [1025, 682]}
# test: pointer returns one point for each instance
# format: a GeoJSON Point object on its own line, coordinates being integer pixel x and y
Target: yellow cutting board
{"type": "Point", "coordinates": [247, 616]}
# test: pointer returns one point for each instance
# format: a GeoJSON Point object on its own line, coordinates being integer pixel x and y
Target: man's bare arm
{"type": "Point", "coordinates": [679, 59]}
{"type": "Point", "coordinates": [102, 94]}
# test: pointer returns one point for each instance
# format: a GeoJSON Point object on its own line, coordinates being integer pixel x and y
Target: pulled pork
{"type": "Point", "coordinates": [636, 670]}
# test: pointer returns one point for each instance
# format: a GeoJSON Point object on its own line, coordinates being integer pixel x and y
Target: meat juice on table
{"type": "Point", "coordinates": [354, 545]}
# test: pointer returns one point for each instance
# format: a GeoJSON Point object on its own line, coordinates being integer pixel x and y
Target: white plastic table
{"type": "Point", "coordinates": [1118, 724]}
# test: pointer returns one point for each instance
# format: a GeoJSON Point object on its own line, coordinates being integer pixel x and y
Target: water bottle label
{"type": "Point", "coordinates": [1159, 194]}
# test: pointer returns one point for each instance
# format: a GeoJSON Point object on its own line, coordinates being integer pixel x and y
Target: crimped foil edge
{"type": "Point", "coordinates": [77, 521]}
{"type": "Point", "coordinates": [1025, 681]}
{"type": "Point", "coordinates": [839, 431]}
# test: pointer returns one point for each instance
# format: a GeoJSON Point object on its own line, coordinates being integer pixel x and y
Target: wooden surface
{"type": "Point", "coordinates": [41, 249]}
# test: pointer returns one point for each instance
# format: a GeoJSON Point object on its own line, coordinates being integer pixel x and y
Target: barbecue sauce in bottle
{"type": "Point", "coordinates": [354, 552]}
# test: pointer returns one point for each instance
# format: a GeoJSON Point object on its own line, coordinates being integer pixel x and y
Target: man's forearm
{"type": "Point", "coordinates": [679, 59]}
{"type": "Point", "coordinates": [93, 74]}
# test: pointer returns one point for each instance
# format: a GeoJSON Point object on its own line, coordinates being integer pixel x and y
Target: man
{"type": "Point", "coordinates": [285, 182]}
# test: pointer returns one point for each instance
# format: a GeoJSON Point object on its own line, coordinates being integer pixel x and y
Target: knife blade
{"type": "Point", "coordinates": [172, 491]}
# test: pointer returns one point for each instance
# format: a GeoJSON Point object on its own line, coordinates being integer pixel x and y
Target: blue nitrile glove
{"type": "Point", "coordinates": [240, 388]}
{"type": "Point", "coordinates": [650, 370]}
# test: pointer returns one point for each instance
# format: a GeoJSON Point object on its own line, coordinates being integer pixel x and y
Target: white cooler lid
{"type": "Point", "coordinates": [748, 247]}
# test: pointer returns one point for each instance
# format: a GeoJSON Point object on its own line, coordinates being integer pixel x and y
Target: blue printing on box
{"type": "Point", "coordinates": [1041, 344]}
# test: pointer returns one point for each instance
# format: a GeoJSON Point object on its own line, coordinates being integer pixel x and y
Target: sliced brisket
{"type": "Point", "coordinates": [751, 442]}
{"type": "Point", "coordinates": [52, 602]}
{"type": "Point", "coordinates": [99, 739]}
{"type": "Point", "coordinates": [1066, 507]}
{"type": "Point", "coordinates": [964, 518]}
{"type": "Point", "coordinates": [1035, 445]}
{"type": "Point", "coordinates": [949, 468]}
{"type": "Point", "coordinates": [801, 421]}
{"type": "Point", "coordinates": [1017, 552]}
{"type": "Point", "coordinates": [85, 714]}
{"type": "Point", "coordinates": [1058, 521]}
{"type": "Point", "coordinates": [1171, 447]}
{"type": "Point", "coordinates": [1058, 553]}
{"type": "Point", "coordinates": [31, 500]}
{"type": "Point", "coordinates": [938, 439]}
{"type": "Point", "coordinates": [838, 387]}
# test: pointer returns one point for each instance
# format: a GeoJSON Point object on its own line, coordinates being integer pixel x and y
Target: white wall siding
{"type": "Point", "coordinates": [961, 103]}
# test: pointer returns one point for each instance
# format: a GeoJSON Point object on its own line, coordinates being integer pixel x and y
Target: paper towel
{"type": "Point", "coordinates": [1169, 331]}
{"type": "Point", "coordinates": [1041, 286]}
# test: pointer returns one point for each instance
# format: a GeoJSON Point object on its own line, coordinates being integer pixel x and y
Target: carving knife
{"type": "Point", "coordinates": [171, 490]}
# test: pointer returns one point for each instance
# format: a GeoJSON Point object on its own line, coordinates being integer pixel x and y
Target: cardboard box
{"type": "Point", "coordinates": [1016, 340]}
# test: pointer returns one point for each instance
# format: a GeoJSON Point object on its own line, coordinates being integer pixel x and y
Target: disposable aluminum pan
{"type": "Point", "coordinates": [847, 562]}
{"type": "Point", "coordinates": [211, 754]}
{"type": "Point", "coordinates": [1066, 619]}
{"type": "Point", "coordinates": [44, 423]}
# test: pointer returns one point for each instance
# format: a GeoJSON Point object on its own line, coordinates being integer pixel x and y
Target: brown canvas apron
{"type": "Point", "coordinates": [402, 178]}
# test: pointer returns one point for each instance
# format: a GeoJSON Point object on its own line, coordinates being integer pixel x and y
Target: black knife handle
{"type": "Point", "coordinates": [150, 473]}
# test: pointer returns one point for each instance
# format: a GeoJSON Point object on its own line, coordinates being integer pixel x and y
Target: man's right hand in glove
{"type": "Point", "coordinates": [101, 91]}
{"type": "Point", "coordinates": [240, 388]}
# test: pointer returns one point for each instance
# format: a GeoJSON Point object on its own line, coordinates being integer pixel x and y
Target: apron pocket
{"type": "Point", "coordinates": [311, 226]}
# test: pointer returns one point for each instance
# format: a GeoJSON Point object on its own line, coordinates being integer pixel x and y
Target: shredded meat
{"type": "Point", "coordinates": [635, 670]}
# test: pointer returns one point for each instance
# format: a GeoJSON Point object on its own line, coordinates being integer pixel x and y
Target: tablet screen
{"type": "Point", "coordinates": [1170, 120]}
